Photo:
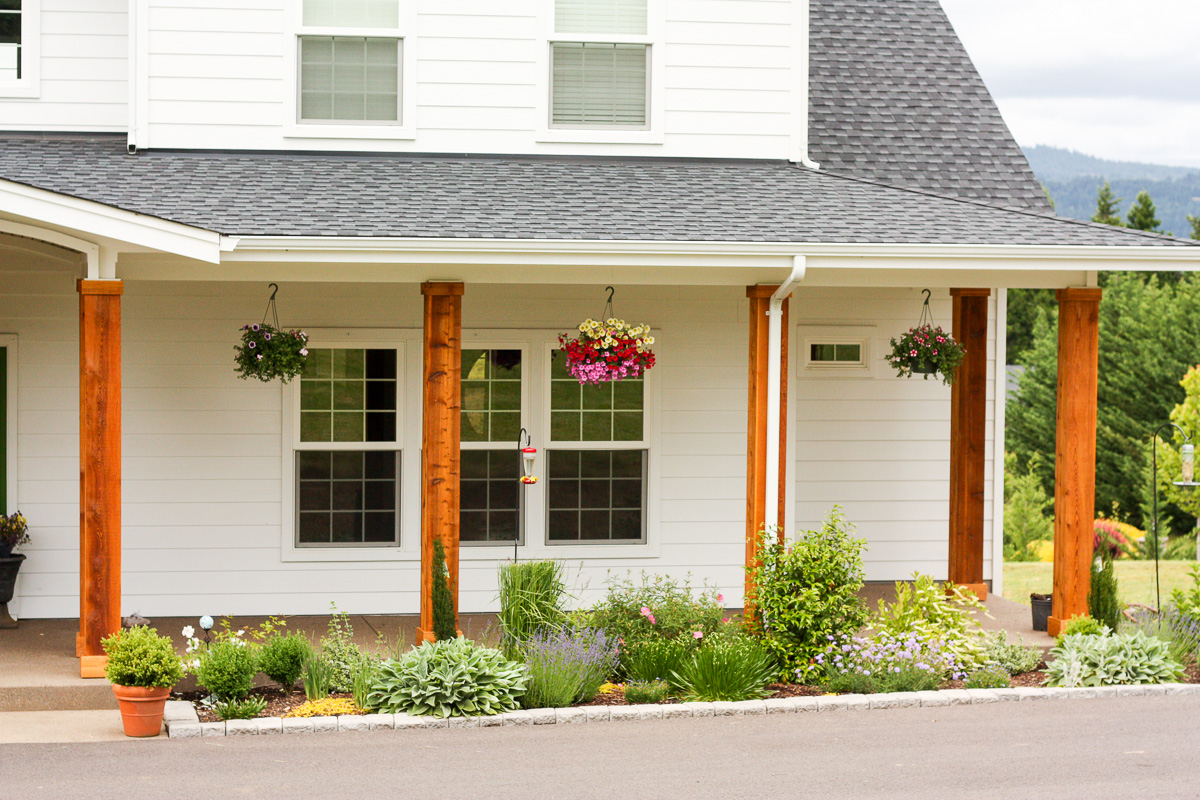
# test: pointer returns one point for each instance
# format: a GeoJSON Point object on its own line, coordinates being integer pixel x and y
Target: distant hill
{"type": "Point", "coordinates": [1074, 178]}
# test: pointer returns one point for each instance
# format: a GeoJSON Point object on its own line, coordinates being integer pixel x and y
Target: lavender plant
{"type": "Point", "coordinates": [888, 662]}
{"type": "Point", "coordinates": [567, 665]}
{"type": "Point", "coordinates": [1180, 630]}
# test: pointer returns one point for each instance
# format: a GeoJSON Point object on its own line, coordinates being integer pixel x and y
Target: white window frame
{"type": "Point", "coordinates": [407, 343]}
{"type": "Point", "coordinates": [864, 352]}
{"type": "Point", "coordinates": [863, 335]}
{"type": "Point", "coordinates": [29, 84]}
{"type": "Point", "coordinates": [352, 129]}
{"type": "Point", "coordinates": [655, 72]}
{"type": "Point", "coordinates": [9, 341]}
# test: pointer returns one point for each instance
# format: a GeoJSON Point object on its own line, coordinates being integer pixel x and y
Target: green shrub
{"type": "Point", "coordinates": [637, 692]}
{"type": "Point", "coordinates": [807, 591]}
{"type": "Point", "coordinates": [140, 657]}
{"type": "Point", "coordinates": [339, 651]}
{"type": "Point", "coordinates": [281, 658]}
{"type": "Point", "coordinates": [1025, 509]}
{"type": "Point", "coordinates": [566, 666]}
{"type": "Point", "coordinates": [657, 608]}
{"type": "Point", "coordinates": [1180, 548]}
{"type": "Point", "coordinates": [1082, 624]}
{"type": "Point", "coordinates": [654, 659]}
{"type": "Point", "coordinates": [1188, 601]}
{"type": "Point", "coordinates": [445, 626]}
{"type": "Point", "coordinates": [1124, 658]}
{"type": "Point", "coordinates": [727, 669]}
{"type": "Point", "coordinates": [1014, 658]}
{"type": "Point", "coordinates": [989, 676]}
{"type": "Point", "coordinates": [318, 676]}
{"type": "Point", "coordinates": [923, 607]}
{"type": "Point", "coordinates": [227, 669]}
{"type": "Point", "coordinates": [1103, 605]}
{"type": "Point", "coordinates": [449, 677]}
{"type": "Point", "coordinates": [533, 596]}
{"type": "Point", "coordinates": [248, 708]}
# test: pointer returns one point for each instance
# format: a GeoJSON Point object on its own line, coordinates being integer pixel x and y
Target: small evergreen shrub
{"type": "Point", "coordinates": [444, 624]}
{"type": "Point", "coordinates": [1102, 597]}
{"type": "Point", "coordinates": [140, 657]}
{"type": "Point", "coordinates": [339, 651]}
{"type": "Point", "coordinates": [989, 676]}
{"type": "Point", "coordinates": [656, 608]}
{"type": "Point", "coordinates": [806, 591]}
{"type": "Point", "coordinates": [1115, 659]}
{"type": "Point", "coordinates": [533, 597]}
{"type": "Point", "coordinates": [566, 666]}
{"type": "Point", "coordinates": [449, 677]}
{"type": "Point", "coordinates": [318, 677]}
{"type": "Point", "coordinates": [654, 659]}
{"type": "Point", "coordinates": [227, 669]}
{"type": "Point", "coordinates": [638, 692]}
{"type": "Point", "coordinates": [1015, 658]}
{"type": "Point", "coordinates": [281, 658]}
{"type": "Point", "coordinates": [248, 708]}
{"type": "Point", "coordinates": [727, 669]}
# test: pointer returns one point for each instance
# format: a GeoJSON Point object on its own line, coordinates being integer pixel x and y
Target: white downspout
{"type": "Point", "coordinates": [775, 334]}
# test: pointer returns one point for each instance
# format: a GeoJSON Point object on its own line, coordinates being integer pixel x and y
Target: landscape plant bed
{"type": "Point", "coordinates": [279, 703]}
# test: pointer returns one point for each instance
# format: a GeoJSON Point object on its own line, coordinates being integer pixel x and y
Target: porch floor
{"type": "Point", "coordinates": [39, 670]}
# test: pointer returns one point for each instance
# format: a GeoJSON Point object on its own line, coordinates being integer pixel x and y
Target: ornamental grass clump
{"type": "Point", "coordinates": [653, 659]}
{"type": "Point", "coordinates": [318, 677]}
{"type": "Point", "coordinates": [1113, 659]}
{"type": "Point", "coordinates": [727, 668]}
{"type": "Point", "coordinates": [533, 597]}
{"type": "Point", "coordinates": [448, 678]}
{"type": "Point", "coordinates": [249, 708]}
{"type": "Point", "coordinates": [140, 657]}
{"type": "Point", "coordinates": [806, 591]}
{"type": "Point", "coordinates": [639, 692]}
{"type": "Point", "coordinates": [887, 662]}
{"type": "Point", "coordinates": [567, 665]}
{"type": "Point", "coordinates": [656, 608]}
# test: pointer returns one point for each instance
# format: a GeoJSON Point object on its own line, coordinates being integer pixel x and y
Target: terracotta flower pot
{"type": "Point", "coordinates": [141, 709]}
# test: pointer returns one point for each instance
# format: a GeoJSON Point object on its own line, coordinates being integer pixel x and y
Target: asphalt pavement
{"type": "Point", "coordinates": [1126, 747]}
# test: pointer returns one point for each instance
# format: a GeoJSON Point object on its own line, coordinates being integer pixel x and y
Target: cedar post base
{"type": "Point", "coordinates": [1054, 626]}
{"type": "Point", "coordinates": [92, 666]}
{"type": "Point", "coordinates": [427, 636]}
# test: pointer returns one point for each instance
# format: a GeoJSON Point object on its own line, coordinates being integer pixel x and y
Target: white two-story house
{"type": "Point", "coordinates": [439, 189]}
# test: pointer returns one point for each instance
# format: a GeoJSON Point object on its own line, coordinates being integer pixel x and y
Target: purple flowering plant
{"type": "Point", "coordinates": [267, 353]}
{"type": "Point", "coordinates": [567, 665]}
{"type": "Point", "coordinates": [887, 662]}
{"type": "Point", "coordinates": [928, 350]}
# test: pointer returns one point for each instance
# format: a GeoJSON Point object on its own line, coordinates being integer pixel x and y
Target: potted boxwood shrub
{"type": "Point", "coordinates": [14, 532]}
{"type": "Point", "coordinates": [142, 667]}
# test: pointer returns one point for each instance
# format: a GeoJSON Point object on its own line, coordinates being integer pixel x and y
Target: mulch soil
{"type": "Point", "coordinates": [279, 703]}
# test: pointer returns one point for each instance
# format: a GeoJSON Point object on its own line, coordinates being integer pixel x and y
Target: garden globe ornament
{"type": "Point", "coordinates": [1187, 462]}
{"type": "Point", "coordinates": [206, 624]}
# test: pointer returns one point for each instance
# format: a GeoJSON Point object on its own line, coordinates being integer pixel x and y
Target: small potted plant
{"type": "Point", "coordinates": [608, 351]}
{"type": "Point", "coordinates": [14, 532]}
{"type": "Point", "coordinates": [267, 353]}
{"type": "Point", "coordinates": [142, 667]}
{"type": "Point", "coordinates": [926, 350]}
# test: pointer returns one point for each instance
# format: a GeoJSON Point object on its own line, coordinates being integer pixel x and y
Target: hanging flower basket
{"type": "Point", "coordinates": [607, 351]}
{"type": "Point", "coordinates": [926, 350]}
{"type": "Point", "coordinates": [268, 352]}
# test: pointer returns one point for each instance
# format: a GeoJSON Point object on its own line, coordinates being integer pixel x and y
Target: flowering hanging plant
{"type": "Point", "coordinates": [926, 349]}
{"type": "Point", "coordinates": [267, 353]}
{"type": "Point", "coordinates": [607, 351]}
{"type": "Point", "coordinates": [14, 532]}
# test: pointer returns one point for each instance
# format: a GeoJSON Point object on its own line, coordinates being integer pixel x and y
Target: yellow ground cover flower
{"type": "Point", "coordinates": [325, 707]}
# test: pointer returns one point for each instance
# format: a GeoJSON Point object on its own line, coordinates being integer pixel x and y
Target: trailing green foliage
{"type": "Point", "coordinates": [227, 669]}
{"type": "Point", "coordinates": [1083, 624]}
{"type": "Point", "coordinates": [138, 656]}
{"type": "Point", "coordinates": [1123, 658]}
{"type": "Point", "coordinates": [449, 677]}
{"type": "Point", "coordinates": [444, 623]}
{"type": "Point", "coordinates": [989, 676]}
{"type": "Point", "coordinates": [656, 608]}
{"type": "Point", "coordinates": [806, 591]}
{"type": "Point", "coordinates": [936, 612]}
{"type": "Point", "coordinates": [281, 658]}
{"type": "Point", "coordinates": [653, 659]}
{"type": "Point", "coordinates": [533, 597]}
{"type": "Point", "coordinates": [318, 677]}
{"type": "Point", "coordinates": [566, 666]}
{"type": "Point", "coordinates": [652, 691]}
{"type": "Point", "coordinates": [267, 353]}
{"type": "Point", "coordinates": [249, 708]}
{"type": "Point", "coordinates": [1103, 605]}
{"type": "Point", "coordinates": [1025, 510]}
{"type": "Point", "coordinates": [1015, 658]}
{"type": "Point", "coordinates": [339, 652]}
{"type": "Point", "coordinates": [732, 668]}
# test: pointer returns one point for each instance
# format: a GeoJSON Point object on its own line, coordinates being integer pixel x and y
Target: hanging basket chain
{"type": "Point", "coordinates": [926, 349]}
{"type": "Point", "coordinates": [266, 351]}
{"type": "Point", "coordinates": [926, 314]}
{"type": "Point", "coordinates": [608, 314]}
{"type": "Point", "coordinates": [271, 309]}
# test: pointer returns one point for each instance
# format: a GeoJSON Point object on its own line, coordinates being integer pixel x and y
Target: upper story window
{"type": "Point", "coordinates": [350, 61]}
{"type": "Point", "coordinates": [600, 65]}
{"type": "Point", "coordinates": [18, 47]}
{"type": "Point", "coordinates": [10, 40]}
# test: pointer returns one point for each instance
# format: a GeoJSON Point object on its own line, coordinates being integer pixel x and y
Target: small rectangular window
{"type": "Point", "coordinates": [10, 40]}
{"type": "Point", "coordinates": [831, 353]}
{"type": "Point", "coordinates": [600, 16]}
{"type": "Point", "coordinates": [596, 495]}
{"type": "Point", "coordinates": [599, 84]}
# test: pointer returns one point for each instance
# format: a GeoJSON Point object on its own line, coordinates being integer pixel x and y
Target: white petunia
{"type": "Point", "coordinates": [189, 632]}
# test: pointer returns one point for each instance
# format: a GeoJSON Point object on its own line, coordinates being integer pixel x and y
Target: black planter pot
{"type": "Point", "coordinates": [9, 567]}
{"type": "Point", "coordinates": [1041, 610]}
{"type": "Point", "coordinates": [924, 368]}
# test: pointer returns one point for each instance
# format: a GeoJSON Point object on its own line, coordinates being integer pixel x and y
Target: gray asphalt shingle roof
{"type": "Point", "coordinates": [894, 97]}
{"type": "Point", "coordinates": [320, 194]}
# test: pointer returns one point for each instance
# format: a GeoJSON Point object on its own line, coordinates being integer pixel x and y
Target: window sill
{"type": "Point", "coordinates": [22, 90]}
{"type": "Point", "coordinates": [295, 130]}
{"type": "Point", "coordinates": [598, 136]}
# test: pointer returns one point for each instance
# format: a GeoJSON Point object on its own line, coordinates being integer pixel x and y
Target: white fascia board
{"type": "Point", "coordinates": [98, 220]}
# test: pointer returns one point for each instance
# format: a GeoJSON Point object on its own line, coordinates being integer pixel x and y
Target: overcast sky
{"type": "Point", "coordinates": [1118, 80]}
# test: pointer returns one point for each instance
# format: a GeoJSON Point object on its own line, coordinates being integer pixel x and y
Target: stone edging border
{"type": "Point", "coordinates": [182, 723]}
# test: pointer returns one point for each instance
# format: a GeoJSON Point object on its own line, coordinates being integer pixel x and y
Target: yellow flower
{"type": "Point", "coordinates": [649, 340]}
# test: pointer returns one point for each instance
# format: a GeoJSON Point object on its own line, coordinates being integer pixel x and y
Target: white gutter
{"type": "Point", "coordinates": [775, 334]}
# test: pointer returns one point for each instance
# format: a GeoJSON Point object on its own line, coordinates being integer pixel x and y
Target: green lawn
{"type": "Point", "coordinates": [1135, 579]}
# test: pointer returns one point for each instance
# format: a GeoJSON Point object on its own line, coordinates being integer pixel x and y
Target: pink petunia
{"type": "Point", "coordinates": [698, 635]}
{"type": "Point", "coordinates": [651, 618]}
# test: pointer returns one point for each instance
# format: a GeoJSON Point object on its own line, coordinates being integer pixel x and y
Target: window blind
{"type": "Point", "coordinates": [349, 78]}
{"type": "Point", "coordinates": [600, 16]}
{"type": "Point", "coordinates": [351, 13]}
{"type": "Point", "coordinates": [598, 83]}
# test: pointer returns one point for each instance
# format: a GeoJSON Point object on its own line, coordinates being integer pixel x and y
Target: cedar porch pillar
{"type": "Point", "coordinates": [440, 439]}
{"type": "Point", "coordinates": [1075, 452]}
{"type": "Point", "coordinates": [99, 470]}
{"type": "Point", "coordinates": [968, 438]}
{"type": "Point", "coordinates": [756, 445]}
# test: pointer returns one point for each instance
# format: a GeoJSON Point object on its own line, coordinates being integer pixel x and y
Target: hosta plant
{"type": "Point", "coordinates": [448, 678]}
{"type": "Point", "coordinates": [1123, 658]}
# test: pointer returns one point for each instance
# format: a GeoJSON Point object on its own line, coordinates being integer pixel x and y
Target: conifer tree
{"type": "Point", "coordinates": [1103, 605]}
{"type": "Point", "coordinates": [1143, 216]}
{"type": "Point", "coordinates": [1108, 207]}
{"type": "Point", "coordinates": [1195, 223]}
{"type": "Point", "coordinates": [444, 626]}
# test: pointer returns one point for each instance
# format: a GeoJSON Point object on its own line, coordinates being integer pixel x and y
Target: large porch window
{"type": "Point", "coordinates": [491, 500]}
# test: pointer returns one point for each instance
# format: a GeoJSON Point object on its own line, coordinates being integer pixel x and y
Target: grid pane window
{"type": "Point", "coordinates": [348, 395]}
{"type": "Point", "coordinates": [599, 85]}
{"type": "Point", "coordinates": [835, 353]}
{"type": "Point", "coordinates": [491, 395]}
{"type": "Point", "coordinates": [347, 497]}
{"type": "Point", "coordinates": [350, 78]}
{"type": "Point", "coordinates": [352, 13]}
{"type": "Point", "coordinates": [600, 16]}
{"type": "Point", "coordinates": [490, 499]}
{"type": "Point", "coordinates": [10, 40]}
{"type": "Point", "coordinates": [606, 412]}
{"type": "Point", "coordinates": [596, 495]}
